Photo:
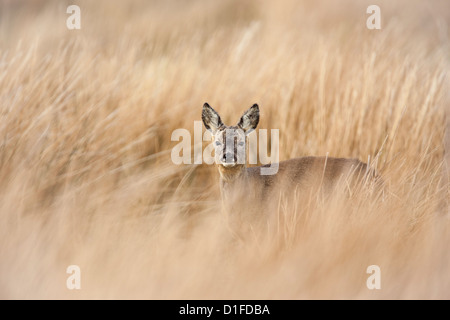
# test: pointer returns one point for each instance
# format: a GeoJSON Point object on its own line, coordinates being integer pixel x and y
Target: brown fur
{"type": "Point", "coordinates": [305, 172]}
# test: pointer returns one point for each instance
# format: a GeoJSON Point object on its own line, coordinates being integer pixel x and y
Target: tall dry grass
{"type": "Point", "coordinates": [87, 115]}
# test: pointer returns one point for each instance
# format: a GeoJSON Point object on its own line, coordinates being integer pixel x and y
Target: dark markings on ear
{"type": "Point", "coordinates": [250, 119]}
{"type": "Point", "coordinates": [211, 118]}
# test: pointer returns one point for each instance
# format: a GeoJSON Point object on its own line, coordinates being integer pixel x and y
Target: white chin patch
{"type": "Point", "coordinates": [227, 165]}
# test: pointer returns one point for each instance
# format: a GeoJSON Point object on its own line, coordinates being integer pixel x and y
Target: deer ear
{"type": "Point", "coordinates": [211, 118]}
{"type": "Point", "coordinates": [250, 119]}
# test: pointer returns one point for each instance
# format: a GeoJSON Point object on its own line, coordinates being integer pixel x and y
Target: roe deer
{"type": "Point", "coordinates": [244, 189]}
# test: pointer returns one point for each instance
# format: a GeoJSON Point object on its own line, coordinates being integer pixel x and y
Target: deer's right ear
{"type": "Point", "coordinates": [211, 118]}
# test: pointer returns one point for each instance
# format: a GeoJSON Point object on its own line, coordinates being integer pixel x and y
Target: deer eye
{"type": "Point", "coordinates": [218, 143]}
{"type": "Point", "coordinates": [241, 143]}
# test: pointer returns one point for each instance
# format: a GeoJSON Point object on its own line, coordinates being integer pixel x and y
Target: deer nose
{"type": "Point", "coordinates": [228, 157]}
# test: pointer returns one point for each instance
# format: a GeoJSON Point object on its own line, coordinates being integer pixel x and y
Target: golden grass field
{"type": "Point", "coordinates": [86, 176]}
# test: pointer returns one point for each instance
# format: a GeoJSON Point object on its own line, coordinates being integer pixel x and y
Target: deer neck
{"type": "Point", "coordinates": [232, 185]}
{"type": "Point", "coordinates": [232, 174]}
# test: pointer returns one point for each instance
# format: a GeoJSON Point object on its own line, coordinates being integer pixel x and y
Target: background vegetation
{"type": "Point", "coordinates": [87, 115]}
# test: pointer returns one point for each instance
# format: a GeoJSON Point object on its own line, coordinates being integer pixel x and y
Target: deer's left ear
{"type": "Point", "coordinates": [250, 119]}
